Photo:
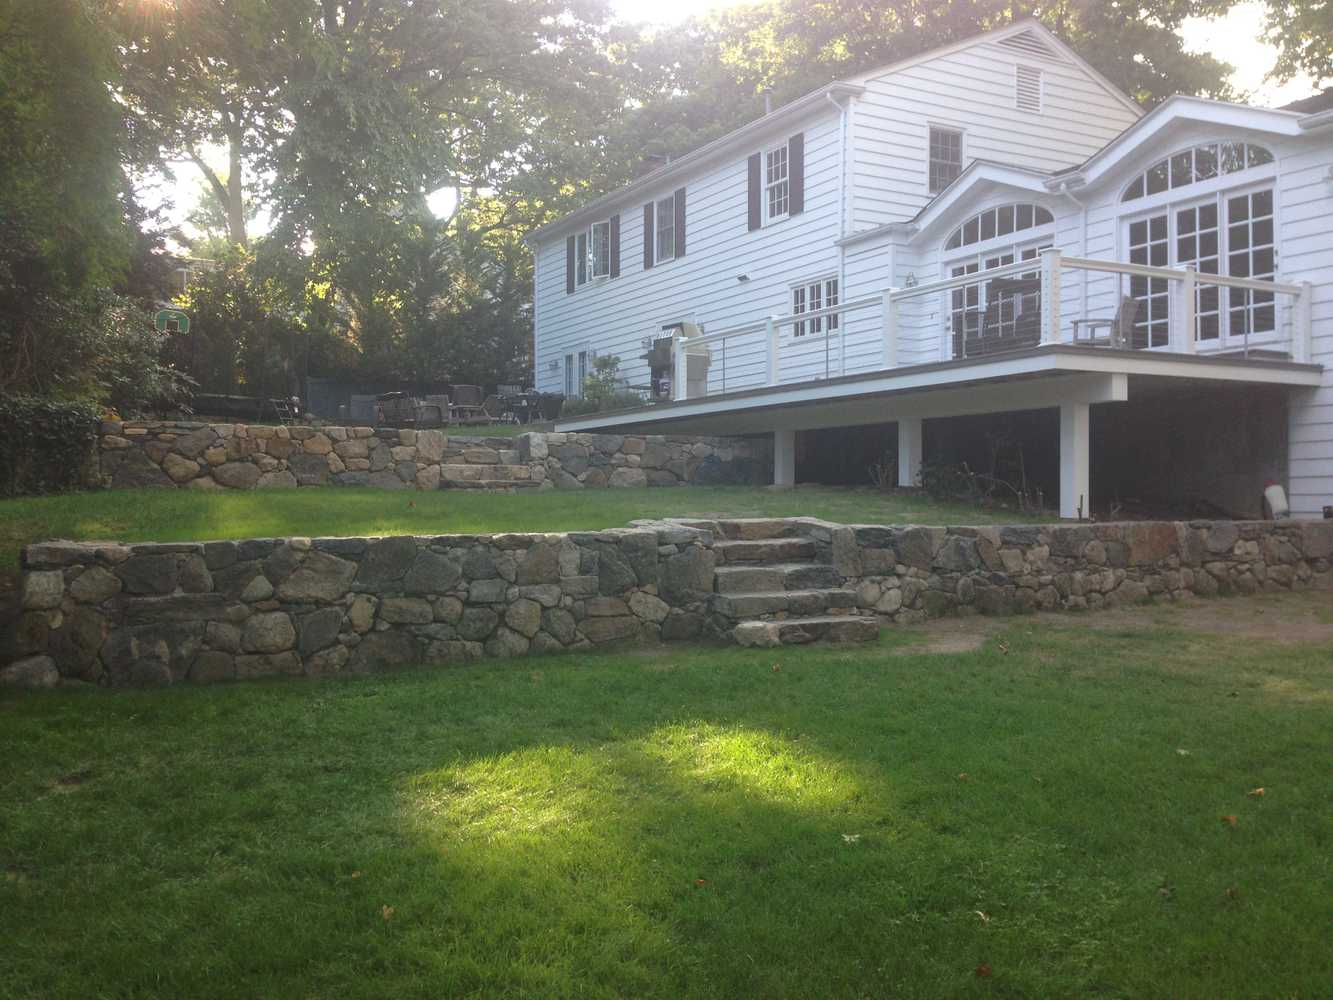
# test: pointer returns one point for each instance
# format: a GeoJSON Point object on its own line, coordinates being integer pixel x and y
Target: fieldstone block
{"type": "Point", "coordinates": [648, 607]}
{"type": "Point", "coordinates": [487, 591]}
{"type": "Point", "coordinates": [179, 468]}
{"type": "Point", "coordinates": [477, 623]}
{"type": "Point", "coordinates": [361, 613]}
{"type": "Point", "coordinates": [387, 560]}
{"type": "Point", "coordinates": [688, 576]}
{"type": "Point", "coordinates": [212, 665]}
{"type": "Point", "coordinates": [524, 616]}
{"type": "Point", "coordinates": [268, 632]}
{"type": "Point", "coordinates": [432, 573]}
{"type": "Point", "coordinates": [43, 589]}
{"type": "Point", "coordinates": [149, 574]}
{"type": "Point", "coordinates": [192, 575]}
{"type": "Point", "coordinates": [31, 672]}
{"type": "Point", "coordinates": [236, 475]}
{"type": "Point", "coordinates": [406, 611]}
{"type": "Point", "coordinates": [603, 630]}
{"type": "Point", "coordinates": [268, 665]}
{"type": "Point", "coordinates": [319, 630]}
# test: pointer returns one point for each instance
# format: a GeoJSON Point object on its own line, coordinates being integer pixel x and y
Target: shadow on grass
{"type": "Point", "coordinates": [695, 824]}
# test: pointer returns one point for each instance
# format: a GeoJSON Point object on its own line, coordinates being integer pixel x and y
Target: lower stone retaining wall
{"type": "Point", "coordinates": [162, 613]}
{"type": "Point", "coordinates": [245, 456]}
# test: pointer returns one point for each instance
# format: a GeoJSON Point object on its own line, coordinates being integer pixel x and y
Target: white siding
{"type": "Point", "coordinates": [973, 90]}
{"type": "Point", "coordinates": [613, 317]}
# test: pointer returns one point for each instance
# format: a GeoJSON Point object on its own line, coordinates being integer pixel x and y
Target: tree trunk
{"type": "Point", "coordinates": [235, 200]}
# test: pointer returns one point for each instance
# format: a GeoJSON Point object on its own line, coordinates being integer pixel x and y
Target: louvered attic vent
{"type": "Point", "coordinates": [1031, 43]}
{"type": "Point", "coordinates": [1027, 83]}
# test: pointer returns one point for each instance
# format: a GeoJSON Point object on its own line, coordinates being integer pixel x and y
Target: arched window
{"type": "Point", "coordinates": [1199, 163]}
{"type": "Point", "coordinates": [1000, 221]}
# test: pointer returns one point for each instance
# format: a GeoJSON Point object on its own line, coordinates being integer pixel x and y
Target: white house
{"type": "Point", "coordinates": [986, 228]}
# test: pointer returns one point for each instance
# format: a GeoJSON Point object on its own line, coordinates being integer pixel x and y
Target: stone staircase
{"type": "Point", "coordinates": [779, 587]}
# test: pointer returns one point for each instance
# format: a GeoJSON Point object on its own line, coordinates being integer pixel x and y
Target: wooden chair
{"type": "Point", "coordinates": [1120, 327]}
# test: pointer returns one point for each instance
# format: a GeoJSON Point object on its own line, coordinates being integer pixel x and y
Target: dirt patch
{"type": "Point", "coordinates": [1285, 619]}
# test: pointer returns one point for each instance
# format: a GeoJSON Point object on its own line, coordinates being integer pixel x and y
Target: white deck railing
{"type": "Point", "coordinates": [761, 352]}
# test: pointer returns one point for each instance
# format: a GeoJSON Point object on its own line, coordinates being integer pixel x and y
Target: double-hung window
{"type": "Point", "coordinates": [946, 157]}
{"type": "Point", "coordinates": [666, 228]}
{"type": "Point", "coordinates": [599, 256]}
{"type": "Point", "coordinates": [581, 259]}
{"type": "Point", "coordinates": [813, 296]}
{"type": "Point", "coordinates": [777, 186]}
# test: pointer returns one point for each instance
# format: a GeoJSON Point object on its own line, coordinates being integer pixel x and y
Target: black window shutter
{"type": "Point", "coordinates": [647, 235]}
{"type": "Point", "coordinates": [756, 186]}
{"type": "Point", "coordinates": [569, 266]}
{"type": "Point", "coordinates": [680, 221]}
{"type": "Point", "coordinates": [615, 245]}
{"type": "Point", "coordinates": [796, 173]}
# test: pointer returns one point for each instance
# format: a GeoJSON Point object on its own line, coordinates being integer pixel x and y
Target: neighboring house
{"type": "Point", "coordinates": [823, 267]}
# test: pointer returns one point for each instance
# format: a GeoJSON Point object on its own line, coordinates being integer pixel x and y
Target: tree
{"type": "Point", "coordinates": [1303, 34]}
{"type": "Point", "coordinates": [694, 83]}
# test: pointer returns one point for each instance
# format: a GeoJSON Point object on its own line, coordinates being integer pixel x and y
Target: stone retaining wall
{"type": "Point", "coordinates": [910, 573]}
{"type": "Point", "coordinates": [241, 456]}
{"type": "Point", "coordinates": [161, 613]}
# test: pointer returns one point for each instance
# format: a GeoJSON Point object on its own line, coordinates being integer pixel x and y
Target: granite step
{"type": "Point", "coordinates": [814, 628]}
{"type": "Point", "coordinates": [746, 529]}
{"type": "Point", "coordinates": [788, 602]}
{"type": "Point", "coordinates": [500, 485]}
{"type": "Point", "coordinates": [459, 474]}
{"type": "Point", "coordinates": [742, 578]}
{"type": "Point", "coordinates": [764, 550]}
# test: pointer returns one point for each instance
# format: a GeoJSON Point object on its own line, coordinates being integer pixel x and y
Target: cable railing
{"type": "Point", "coordinates": [768, 352]}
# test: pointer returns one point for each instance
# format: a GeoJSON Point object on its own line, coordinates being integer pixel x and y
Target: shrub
{"type": "Point", "coordinates": [46, 445]}
{"type": "Point", "coordinates": [602, 391]}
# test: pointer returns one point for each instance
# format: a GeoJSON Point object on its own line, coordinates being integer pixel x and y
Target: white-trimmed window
{"type": "Point", "coordinates": [812, 296]}
{"type": "Point", "coordinates": [599, 252]}
{"type": "Point", "coordinates": [666, 228]}
{"type": "Point", "coordinates": [1195, 165]}
{"type": "Point", "coordinates": [946, 157]}
{"type": "Point", "coordinates": [592, 253]}
{"type": "Point", "coordinates": [777, 187]}
{"type": "Point", "coordinates": [1228, 232]}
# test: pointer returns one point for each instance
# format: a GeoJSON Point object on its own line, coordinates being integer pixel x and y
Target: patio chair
{"type": "Point", "coordinates": [467, 406]}
{"type": "Point", "coordinates": [441, 403]}
{"type": "Point", "coordinates": [1120, 327]}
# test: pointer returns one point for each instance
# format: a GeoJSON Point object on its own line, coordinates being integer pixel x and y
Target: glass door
{"type": "Point", "coordinates": [1198, 243]}
{"type": "Point", "coordinates": [1149, 244]}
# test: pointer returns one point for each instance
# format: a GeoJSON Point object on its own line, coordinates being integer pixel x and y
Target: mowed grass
{"type": "Point", "coordinates": [1069, 809]}
{"type": "Point", "coordinates": [186, 515]}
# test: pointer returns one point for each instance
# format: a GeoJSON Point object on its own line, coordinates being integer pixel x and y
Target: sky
{"type": "Point", "coordinates": [1235, 38]}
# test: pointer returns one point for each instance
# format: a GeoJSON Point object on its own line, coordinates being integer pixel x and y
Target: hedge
{"type": "Point", "coordinates": [46, 445]}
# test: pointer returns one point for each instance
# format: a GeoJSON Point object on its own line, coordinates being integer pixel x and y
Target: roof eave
{"type": "Point", "coordinates": [692, 160]}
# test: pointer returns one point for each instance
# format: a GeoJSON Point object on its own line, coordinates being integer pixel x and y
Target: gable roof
{"type": "Point", "coordinates": [1026, 33]}
{"type": "Point", "coordinates": [1178, 108]}
{"type": "Point", "coordinates": [1025, 30]}
{"type": "Point", "coordinates": [1322, 101]}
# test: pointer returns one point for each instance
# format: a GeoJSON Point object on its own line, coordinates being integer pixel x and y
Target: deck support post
{"type": "Point", "coordinates": [784, 458]}
{"type": "Point", "coordinates": [1074, 449]}
{"type": "Point", "coordinates": [909, 450]}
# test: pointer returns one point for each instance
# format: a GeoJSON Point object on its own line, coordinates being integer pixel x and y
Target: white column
{"type": "Point", "coordinates": [774, 350]}
{"type": "Point", "coordinates": [889, 307]}
{"type": "Point", "coordinates": [909, 450]}
{"type": "Point", "coordinates": [680, 368]}
{"type": "Point", "coordinates": [1074, 449]}
{"type": "Point", "coordinates": [784, 458]}
{"type": "Point", "coordinates": [1050, 295]}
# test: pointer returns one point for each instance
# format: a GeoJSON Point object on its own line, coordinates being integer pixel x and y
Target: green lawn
{"type": "Point", "coordinates": [181, 515]}
{"type": "Point", "coordinates": [811, 822]}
